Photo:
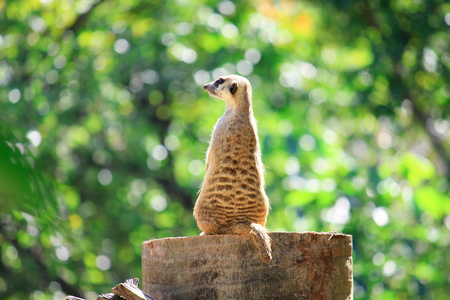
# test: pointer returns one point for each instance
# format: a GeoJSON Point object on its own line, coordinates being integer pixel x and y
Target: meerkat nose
{"type": "Point", "coordinates": [205, 86]}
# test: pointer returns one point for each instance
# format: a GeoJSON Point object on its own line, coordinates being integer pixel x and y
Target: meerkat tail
{"type": "Point", "coordinates": [262, 240]}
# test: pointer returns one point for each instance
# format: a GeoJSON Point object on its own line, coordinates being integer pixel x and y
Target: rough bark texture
{"type": "Point", "coordinates": [307, 265]}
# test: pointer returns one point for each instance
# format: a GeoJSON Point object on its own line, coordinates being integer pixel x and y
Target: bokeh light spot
{"type": "Point", "coordinates": [105, 177]}
{"type": "Point", "coordinates": [285, 127]}
{"type": "Point", "coordinates": [229, 31]}
{"type": "Point", "coordinates": [227, 8]}
{"type": "Point", "coordinates": [35, 137]}
{"type": "Point", "coordinates": [253, 55]}
{"type": "Point", "coordinates": [150, 76]}
{"type": "Point", "coordinates": [380, 216]}
{"type": "Point", "coordinates": [389, 268]}
{"type": "Point", "coordinates": [171, 142]}
{"type": "Point", "coordinates": [121, 46]}
{"type": "Point", "coordinates": [159, 152]}
{"type": "Point", "coordinates": [62, 253]}
{"type": "Point", "coordinates": [339, 213]}
{"type": "Point", "coordinates": [307, 142]}
{"type": "Point", "coordinates": [201, 77]}
{"type": "Point", "coordinates": [244, 67]}
{"type": "Point", "coordinates": [14, 95]}
{"type": "Point", "coordinates": [292, 166]}
{"type": "Point", "coordinates": [37, 24]}
{"type": "Point", "coordinates": [196, 167]}
{"type": "Point", "coordinates": [159, 203]}
{"type": "Point", "coordinates": [378, 259]}
{"type": "Point", "coordinates": [188, 56]}
{"type": "Point", "coordinates": [103, 262]}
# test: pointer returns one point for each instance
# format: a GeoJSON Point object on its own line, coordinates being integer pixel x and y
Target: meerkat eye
{"type": "Point", "coordinates": [219, 81]}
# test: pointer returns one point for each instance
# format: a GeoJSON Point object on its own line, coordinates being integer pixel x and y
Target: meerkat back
{"type": "Point", "coordinates": [232, 199]}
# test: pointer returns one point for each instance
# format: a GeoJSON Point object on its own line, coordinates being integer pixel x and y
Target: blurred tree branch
{"type": "Point", "coordinates": [419, 114]}
{"type": "Point", "coordinates": [423, 118]}
{"type": "Point", "coordinates": [81, 19]}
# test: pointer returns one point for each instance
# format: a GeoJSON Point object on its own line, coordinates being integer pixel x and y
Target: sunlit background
{"type": "Point", "coordinates": [104, 127]}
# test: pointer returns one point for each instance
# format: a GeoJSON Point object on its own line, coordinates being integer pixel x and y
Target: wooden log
{"type": "Point", "coordinates": [307, 265]}
{"type": "Point", "coordinates": [130, 291]}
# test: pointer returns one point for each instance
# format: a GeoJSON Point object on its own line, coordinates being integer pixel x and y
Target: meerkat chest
{"type": "Point", "coordinates": [230, 137]}
{"type": "Point", "coordinates": [230, 126]}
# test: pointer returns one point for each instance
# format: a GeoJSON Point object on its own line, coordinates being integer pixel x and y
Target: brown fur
{"type": "Point", "coordinates": [232, 199]}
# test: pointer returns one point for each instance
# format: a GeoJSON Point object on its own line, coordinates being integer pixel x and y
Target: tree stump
{"type": "Point", "coordinates": [307, 265]}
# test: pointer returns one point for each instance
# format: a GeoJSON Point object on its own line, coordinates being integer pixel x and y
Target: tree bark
{"type": "Point", "coordinates": [307, 265]}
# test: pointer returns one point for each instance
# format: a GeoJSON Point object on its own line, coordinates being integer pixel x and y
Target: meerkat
{"type": "Point", "coordinates": [232, 199]}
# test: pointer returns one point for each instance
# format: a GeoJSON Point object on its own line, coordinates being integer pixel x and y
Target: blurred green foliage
{"type": "Point", "coordinates": [105, 126]}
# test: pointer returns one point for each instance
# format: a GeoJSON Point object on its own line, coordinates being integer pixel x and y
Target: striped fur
{"type": "Point", "coordinates": [232, 199]}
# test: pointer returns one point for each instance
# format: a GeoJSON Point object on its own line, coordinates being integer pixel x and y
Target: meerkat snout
{"type": "Point", "coordinates": [227, 88]}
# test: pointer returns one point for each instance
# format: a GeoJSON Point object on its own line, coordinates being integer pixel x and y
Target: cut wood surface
{"type": "Point", "coordinates": [306, 265]}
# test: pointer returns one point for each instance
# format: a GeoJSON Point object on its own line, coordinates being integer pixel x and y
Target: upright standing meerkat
{"type": "Point", "coordinates": [232, 199]}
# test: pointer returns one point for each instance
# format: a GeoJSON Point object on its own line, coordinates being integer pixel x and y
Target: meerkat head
{"type": "Point", "coordinates": [235, 90]}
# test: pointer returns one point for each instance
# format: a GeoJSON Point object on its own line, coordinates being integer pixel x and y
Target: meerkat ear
{"type": "Point", "coordinates": [233, 87]}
